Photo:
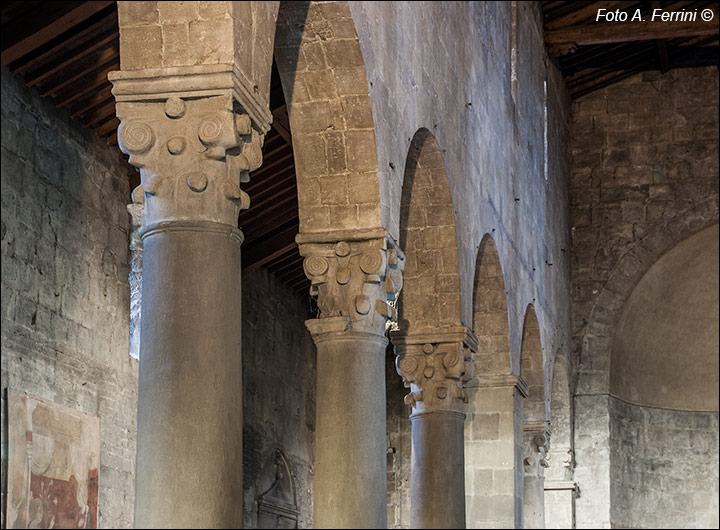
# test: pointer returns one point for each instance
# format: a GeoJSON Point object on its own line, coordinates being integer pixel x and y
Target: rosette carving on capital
{"type": "Point", "coordinates": [537, 445]}
{"type": "Point", "coordinates": [436, 373]}
{"type": "Point", "coordinates": [355, 279]}
{"type": "Point", "coordinates": [193, 153]}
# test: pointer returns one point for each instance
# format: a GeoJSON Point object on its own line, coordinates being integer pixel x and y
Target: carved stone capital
{"type": "Point", "coordinates": [192, 142]}
{"type": "Point", "coordinates": [356, 280]}
{"type": "Point", "coordinates": [536, 446]}
{"type": "Point", "coordinates": [561, 463]}
{"type": "Point", "coordinates": [435, 365]}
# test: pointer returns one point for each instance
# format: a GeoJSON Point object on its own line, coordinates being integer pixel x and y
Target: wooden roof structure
{"type": "Point", "coordinates": [66, 49]}
{"type": "Point", "coordinates": [594, 53]}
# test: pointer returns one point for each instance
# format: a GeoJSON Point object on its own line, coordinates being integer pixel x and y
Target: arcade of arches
{"type": "Point", "coordinates": [512, 319]}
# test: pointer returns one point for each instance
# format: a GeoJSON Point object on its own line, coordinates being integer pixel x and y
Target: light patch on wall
{"type": "Point", "coordinates": [665, 352]}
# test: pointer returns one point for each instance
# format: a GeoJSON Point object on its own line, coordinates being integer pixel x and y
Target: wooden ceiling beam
{"type": "Point", "coordinates": [564, 40]}
{"type": "Point", "coordinates": [91, 101]}
{"type": "Point", "coordinates": [83, 37]}
{"type": "Point", "coordinates": [46, 71]}
{"type": "Point", "coordinates": [109, 56]}
{"type": "Point", "coordinates": [98, 81]}
{"type": "Point", "coordinates": [587, 10]}
{"type": "Point", "coordinates": [257, 255]}
{"type": "Point", "coordinates": [52, 30]}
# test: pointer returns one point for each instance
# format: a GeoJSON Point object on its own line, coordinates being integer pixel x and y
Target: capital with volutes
{"type": "Point", "coordinates": [356, 281]}
{"type": "Point", "coordinates": [193, 145]}
{"type": "Point", "coordinates": [435, 365]}
{"type": "Point", "coordinates": [536, 446]}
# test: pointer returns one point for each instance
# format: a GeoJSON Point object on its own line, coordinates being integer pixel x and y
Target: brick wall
{"type": "Point", "coordinates": [65, 294]}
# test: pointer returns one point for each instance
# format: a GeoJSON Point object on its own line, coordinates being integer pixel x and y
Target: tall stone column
{"type": "Point", "coordinates": [435, 365]}
{"type": "Point", "coordinates": [537, 439]}
{"type": "Point", "coordinates": [353, 275]}
{"type": "Point", "coordinates": [185, 131]}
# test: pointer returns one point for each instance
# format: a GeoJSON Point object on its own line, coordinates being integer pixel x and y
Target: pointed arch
{"type": "Point", "coordinates": [323, 77]}
{"type": "Point", "coordinates": [532, 369]}
{"type": "Point", "coordinates": [431, 292]}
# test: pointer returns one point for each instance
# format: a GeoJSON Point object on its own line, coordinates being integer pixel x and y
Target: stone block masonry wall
{"type": "Point", "coordinates": [279, 363]}
{"type": "Point", "coordinates": [65, 293]}
{"type": "Point", "coordinates": [644, 177]}
{"type": "Point", "coordinates": [399, 439]}
{"type": "Point", "coordinates": [663, 467]}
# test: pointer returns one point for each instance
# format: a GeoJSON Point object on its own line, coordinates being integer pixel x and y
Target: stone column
{"type": "Point", "coordinates": [560, 488]}
{"type": "Point", "coordinates": [537, 439]}
{"type": "Point", "coordinates": [353, 275]}
{"type": "Point", "coordinates": [435, 365]}
{"type": "Point", "coordinates": [183, 129]}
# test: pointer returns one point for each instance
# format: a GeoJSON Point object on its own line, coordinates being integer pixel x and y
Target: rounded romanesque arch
{"type": "Point", "coordinates": [323, 77]}
{"type": "Point", "coordinates": [490, 313]}
{"type": "Point", "coordinates": [593, 342]}
{"type": "Point", "coordinates": [431, 292]}
{"type": "Point", "coordinates": [664, 391]}
{"type": "Point", "coordinates": [536, 419]}
{"type": "Point", "coordinates": [493, 447]}
{"type": "Point", "coordinates": [532, 371]}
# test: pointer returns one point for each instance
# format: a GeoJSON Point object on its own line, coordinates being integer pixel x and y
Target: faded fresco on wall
{"type": "Point", "coordinates": [53, 462]}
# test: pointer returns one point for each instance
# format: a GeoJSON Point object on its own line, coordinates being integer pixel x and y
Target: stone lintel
{"type": "Point", "coordinates": [537, 427]}
{"type": "Point", "coordinates": [456, 334]}
{"type": "Point", "coordinates": [158, 84]}
{"type": "Point", "coordinates": [499, 381]}
{"type": "Point", "coordinates": [560, 485]}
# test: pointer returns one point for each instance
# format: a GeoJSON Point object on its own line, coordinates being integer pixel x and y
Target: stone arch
{"type": "Point", "coordinates": [664, 391]}
{"type": "Point", "coordinates": [490, 313]}
{"type": "Point", "coordinates": [594, 346]}
{"type": "Point", "coordinates": [493, 425]}
{"type": "Point", "coordinates": [431, 292]}
{"type": "Point", "coordinates": [532, 369]}
{"type": "Point", "coordinates": [323, 77]}
{"type": "Point", "coordinates": [596, 339]}
{"type": "Point", "coordinates": [535, 422]}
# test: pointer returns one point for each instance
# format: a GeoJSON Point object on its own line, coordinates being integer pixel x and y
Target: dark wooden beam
{"type": "Point", "coordinates": [587, 10]}
{"type": "Point", "coordinates": [265, 251]}
{"type": "Point", "coordinates": [565, 40]}
{"type": "Point", "coordinates": [47, 70]}
{"type": "Point", "coordinates": [49, 32]}
{"type": "Point", "coordinates": [107, 24]}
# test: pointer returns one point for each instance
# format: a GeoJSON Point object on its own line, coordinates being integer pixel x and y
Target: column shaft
{"type": "Point", "coordinates": [437, 480]}
{"type": "Point", "coordinates": [350, 442]}
{"type": "Point", "coordinates": [189, 445]}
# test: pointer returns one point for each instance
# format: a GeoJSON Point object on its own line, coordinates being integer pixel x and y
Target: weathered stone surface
{"type": "Point", "coordinates": [648, 190]}
{"type": "Point", "coordinates": [65, 295]}
{"type": "Point", "coordinates": [663, 467]}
